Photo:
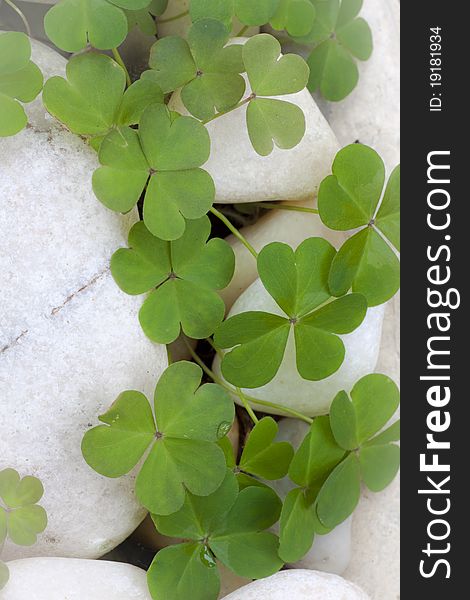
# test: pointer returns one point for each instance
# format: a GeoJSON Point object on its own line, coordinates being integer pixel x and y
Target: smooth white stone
{"type": "Point", "coordinates": [288, 388]}
{"type": "Point", "coordinates": [242, 175]}
{"type": "Point", "coordinates": [289, 227]}
{"type": "Point", "coordinates": [330, 552]}
{"type": "Point", "coordinates": [299, 584]}
{"type": "Point", "coordinates": [70, 340]}
{"type": "Point", "coordinates": [181, 26]}
{"type": "Point", "coordinates": [74, 579]}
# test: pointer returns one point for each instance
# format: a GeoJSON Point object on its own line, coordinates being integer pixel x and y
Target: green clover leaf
{"type": "Point", "coordinates": [206, 69]}
{"type": "Point", "coordinates": [144, 17]}
{"type": "Point", "coordinates": [271, 121]}
{"type": "Point", "coordinates": [339, 37]}
{"type": "Point", "coordinates": [164, 157]}
{"type": "Point", "coordinates": [4, 573]}
{"type": "Point", "coordinates": [255, 13]}
{"type": "Point", "coordinates": [264, 457]}
{"type": "Point", "coordinates": [93, 100]}
{"type": "Point", "coordinates": [374, 400]}
{"type": "Point", "coordinates": [21, 518]}
{"type": "Point", "coordinates": [337, 453]}
{"type": "Point", "coordinates": [298, 282]}
{"type": "Point", "coordinates": [73, 24]}
{"type": "Point", "coordinates": [20, 81]}
{"type": "Point", "coordinates": [228, 525]}
{"type": "Point", "coordinates": [179, 442]}
{"type": "Point", "coordinates": [316, 457]}
{"type": "Point", "coordinates": [295, 16]}
{"type": "Point", "coordinates": [220, 10]}
{"type": "Point", "coordinates": [183, 275]}
{"type": "Point", "coordinates": [348, 199]}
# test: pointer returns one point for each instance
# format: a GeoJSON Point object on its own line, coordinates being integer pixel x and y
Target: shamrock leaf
{"type": "Point", "coordinates": [220, 10]}
{"type": "Point", "coordinates": [295, 16]}
{"type": "Point", "coordinates": [183, 276]}
{"type": "Point", "coordinates": [208, 70]}
{"type": "Point", "coordinates": [21, 518]}
{"type": "Point", "coordinates": [255, 13]}
{"type": "Point", "coordinates": [339, 37]}
{"type": "Point", "coordinates": [92, 100]}
{"type": "Point", "coordinates": [298, 282]}
{"type": "Point", "coordinates": [316, 457]}
{"type": "Point", "coordinates": [271, 121]}
{"type": "Point", "coordinates": [143, 20]}
{"type": "Point", "coordinates": [226, 525]}
{"type": "Point", "coordinates": [374, 400]}
{"type": "Point", "coordinates": [20, 80]}
{"type": "Point", "coordinates": [263, 457]}
{"type": "Point", "coordinates": [348, 199]}
{"type": "Point", "coordinates": [4, 573]}
{"type": "Point", "coordinates": [164, 157]}
{"type": "Point", "coordinates": [180, 441]}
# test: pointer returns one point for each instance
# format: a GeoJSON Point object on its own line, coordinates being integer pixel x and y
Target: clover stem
{"type": "Point", "coordinates": [275, 205]}
{"type": "Point", "coordinates": [168, 354]}
{"type": "Point", "coordinates": [120, 62]}
{"type": "Point", "coordinates": [247, 406]}
{"type": "Point", "coordinates": [174, 17]}
{"type": "Point", "coordinates": [246, 397]}
{"type": "Point", "coordinates": [235, 232]}
{"type": "Point", "coordinates": [21, 15]}
{"type": "Point", "coordinates": [229, 110]}
{"type": "Point", "coordinates": [243, 30]}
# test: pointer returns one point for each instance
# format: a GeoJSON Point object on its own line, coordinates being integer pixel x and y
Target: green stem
{"type": "Point", "coordinates": [247, 406]}
{"type": "Point", "coordinates": [235, 232]}
{"type": "Point", "coordinates": [242, 31]}
{"type": "Point", "coordinates": [246, 397]}
{"type": "Point", "coordinates": [21, 15]}
{"type": "Point", "coordinates": [168, 354]}
{"type": "Point", "coordinates": [174, 18]}
{"type": "Point", "coordinates": [229, 110]}
{"type": "Point", "coordinates": [120, 62]}
{"type": "Point", "coordinates": [277, 206]}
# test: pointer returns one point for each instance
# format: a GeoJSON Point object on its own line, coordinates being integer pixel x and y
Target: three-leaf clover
{"type": "Point", "coordinates": [338, 452]}
{"type": "Point", "coordinates": [179, 442]}
{"type": "Point", "coordinates": [207, 70]}
{"type": "Point", "coordinates": [298, 282]}
{"type": "Point", "coordinates": [163, 157]}
{"type": "Point", "coordinates": [227, 525]}
{"type": "Point", "coordinates": [339, 36]}
{"type": "Point", "coordinates": [348, 199]}
{"type": "Point", "coordinates": [93, 99]}
{"type": "Point", "coordinates": [21, 518]}
{"type": "Point", "coordinates": [295, 16]}
{"type": "Point", "coordinates": [183, 275]}
{"type": "Point", "coordinates": [73, 24]}
{"type": "Point", "coordinates": [271, 121]}
{"type": "Point", "coordinates": [20, 80]}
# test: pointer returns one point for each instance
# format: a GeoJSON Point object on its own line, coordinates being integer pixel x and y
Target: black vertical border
{"type": "Point", "coordinates": [423, 132]}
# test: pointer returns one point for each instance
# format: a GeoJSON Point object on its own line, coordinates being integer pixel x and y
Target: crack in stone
{"type": "Point", "coordinates": [14, 342]}
{"type": "Point", "coordinates": [92, 281]}
{"type": "Point", "coordinates": [57, 309]}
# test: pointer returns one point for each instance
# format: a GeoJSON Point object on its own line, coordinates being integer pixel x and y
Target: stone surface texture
{"type": "Point", "coordinates": [70, 340]}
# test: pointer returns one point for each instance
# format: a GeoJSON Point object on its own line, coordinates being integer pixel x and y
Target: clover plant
{"type": "Point", "coordinates": [298, 282]}
{"type": "Point", "coordinates": [353, 197]}
{"type": "Point", "coordinates": [187, 474]}
{"type": "Point", "coordinates": [20, 81]}
{"type": "Point", "coordinates": [22, 519]}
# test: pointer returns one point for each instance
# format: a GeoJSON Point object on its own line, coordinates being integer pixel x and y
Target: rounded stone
{"type": "Point", "coordinates": [299, 584]}
{"type": "Point", "coordinates": [74, 579]}
{"type": "Point", "coordinates": [242, 175]}
{"type": "Point", "coordinates": [288, 388]}
{"type": "Point", "coordinates": [70, 340]}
